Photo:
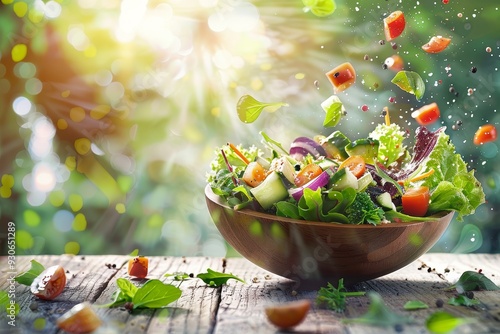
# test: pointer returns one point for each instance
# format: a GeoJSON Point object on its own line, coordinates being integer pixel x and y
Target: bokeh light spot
{"type": "Point", "coordinates": [33, 86]}
{"type": "Point", "coordinates": [77, 114]}
{"type": "Point", "coordinates": [155, 220]}
{"type": "Point", "coordinates": [57, 198]}
{"type": "Point", "coordinates": [31, 218]}
{"type": "Point", "coordinates": [63, 220]}
{"type": "Point", "coordinates": [75, 202]}
{"type": "Point", "coordinates": [25, 70]}
{"type": "Point", "coordinates": [62, 124]}
{"type": "Point", "coordinates": [39, 324]}
{"type": "Point", "coordinates": [100, 111]}
{"type": "Point", "coordinates": [120, 208]}
{"type": "Point", "coordinates": [19, 52]}
{"type": "Point", "coordinates": [80, 223]}
{"type": "Point", "coordinates": [82, 145]}
{"type": "Point", "coordinates": [24, 240]}
{"type": "Point", "coordinates": [72, 247]}
{"type": "Point", "coordinates": [415, 239]}
{"type": "Point", "coordinates": [21, 106]}
{"type": "Point", "coordinates": [35, 15]}
{"type": "Point", "coordinates": [70, 163]}
{"type": "Point", "coordinates": [7, 180]}
{"type": "Point", "coordinates": [20, 8]}
{"type": "Point", "coordinates": [5, 192]}
{"type": "Point", "coordinates": [255, 228]}
{"type": "Point", "coordinates": [7, 2]}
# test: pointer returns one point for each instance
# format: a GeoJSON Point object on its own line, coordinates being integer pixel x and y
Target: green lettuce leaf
{"type": "Point", "coordinates": [390, 138]}
{"type": "Point", "coordinates": [314, 206]}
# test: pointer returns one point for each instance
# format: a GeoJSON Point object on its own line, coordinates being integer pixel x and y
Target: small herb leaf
{"type": "Point", "coordinates": [155, 294]}
{"type": "Point", "coordinates": [461, 300]}
{"type": "Point", "coordinates": [473, 281]}
{"type": "Point", "coordinates": [28, 276]}
{"type": "Point", "coordinates": [178, 276]}
{"type": "Point", "coordinates": [119, 298]}
{"type": "Point", "coordinates": [214, 278]}
{"type": "Point", "coordinates": [134, 253]}
{"type": "Point", "coordinates": [410, 82]}
{"type": "Point", "coordinates": [249, 109]}
{"type": "Point", "coordinates": [320, 8]}
{"type": "Point", "coordinates": [415, 305]}
{"type": "Point", "coordinates": [334, 111]}
{"type": "Point", "coordinates": [442, 322]}
{"type": "Point", "coordinates": [335, 298]}
{"type": "Point", "coordinates": [126, 287]}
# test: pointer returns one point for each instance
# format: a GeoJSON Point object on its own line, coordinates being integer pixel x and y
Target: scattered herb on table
{"type": "Point", "coordinates": [215, 278]}
{"type": "Point", "coordinates": [473, 281]}
{"type": "Point", "coordinates": [335, 298]}
{"type": "Point", "coordinates": [27, 277]}
{"type": "Point", "coordinates": [379, 314]}
{"type": "Point", "coordinates": [462, 300]}
{"type": "Point", "coordinates": [442, 322]}
{"type": "Point", "coordinates": [415, 305]}
{"type": "Point", "coordinates": [179, 276]}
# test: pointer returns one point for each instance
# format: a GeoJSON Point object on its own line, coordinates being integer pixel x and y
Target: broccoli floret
{"type": "Point", "coordinates": [363, 210]}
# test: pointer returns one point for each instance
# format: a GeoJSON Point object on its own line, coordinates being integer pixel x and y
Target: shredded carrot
{"type": "Point", "coordinates": [417, 178]}
{"type": "Point", "coordinates": [238, 153]}
{"type": "Point", "coordinates": [387, 117]}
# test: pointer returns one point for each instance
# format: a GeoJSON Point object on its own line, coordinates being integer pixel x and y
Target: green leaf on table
{"type": "Point", "coordinates": [334, 110]}
{"type": "Point", "coordinates": [178, 276]}
{"type": "Point", "coordinates": [473, 281]}
{"type": "Point", "coordinates": [461, 300]}
{"type": "Point", "coordinates": [335, 297]}
{"type": "Point", "coordinates": [27, 277]}
{"type": "Point", "coordinates": [410, 82]}
{"type": "Point", "coordinates": [249, 109]}
{"type": "Point", "coordinates": [415, 305]}
{"type": "Point", "coordinates": [155, 294]}
{"type": "Point", "coordinates": [119, 298]}
{"type": "Point", "coordinates": [134, 253]}
{"type": "Point", "coordinates": [320, 8]}
{"type": "Point", "coordinates": [126, 287]}
{"type": "Point", "coordinates": [378, 314]}
{"type": "Point", "coordinates": [215, 278]}
{"type": "Point", "coordinates": [442, 322]}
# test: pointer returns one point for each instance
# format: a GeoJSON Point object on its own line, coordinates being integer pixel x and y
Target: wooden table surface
{"type": "Point", "coordinates": [238, 307]}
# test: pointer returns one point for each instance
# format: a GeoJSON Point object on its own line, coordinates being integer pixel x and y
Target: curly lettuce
{"type": "Point", "coordinates": [390, 139]}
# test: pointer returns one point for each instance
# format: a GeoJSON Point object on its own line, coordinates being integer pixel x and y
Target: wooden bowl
{"type": "Point", "coordinates": [315, 253]}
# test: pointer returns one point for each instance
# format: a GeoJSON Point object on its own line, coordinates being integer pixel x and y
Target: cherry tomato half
{"type": "Point", "coordinates": [81, 318]}
{"type": "Point", "coordinates": [138, 267]}
{"type": "Point", "coordinates": [427, 114]}
{"type": "Point", "coordinates": [485, 134]}
{"type": "Point", "coordinates": [416, 201]}
{"type": "Point", "coordinates": [436, 44]}
{"type": "Point", "coordinates": [342, 77]}
{"type": "Point", "coordinates": [289, 314]}
{"type": "Point", "coordinates": [254, 174]}
{"type": "Point", "coordinates": [356, 165]}
{"type": "Point", "coordinates": [395, 63]}
{"type": "Point", "coordinates": [394, 24]}
{"type": "Point", "coordinates": [307, 174]}
{"type": "Point", "coordinates": [50, 283]}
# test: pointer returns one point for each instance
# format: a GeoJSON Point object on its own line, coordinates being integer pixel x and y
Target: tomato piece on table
{"type": "Point", "coordinates": [50, 283]}
{"type": "Point", "coordinates": [288, 314]}
{"type": "Point", "coordinates": [485, 134]}
{"type": "Point", "coordinates": [416, 201]}
{"type": "Point", "coordinates": [138, 267]}
{"type": "Point", "coordinates": [427, 114]}
{"type": "Point", "coordinates": [81, 318]}
{"type": "Point", "coordinates": [394, 24]}
{"type": "Point", "coordinates": [342, 77]}
{"type": "Point", "coordinates": [356, 165]}
{"type": "Point", "coordinates": [254, 174]}
{"type": "Point", "coordinates": [436, 44]}
{"type": "Point", "coordinates": [308, 173]}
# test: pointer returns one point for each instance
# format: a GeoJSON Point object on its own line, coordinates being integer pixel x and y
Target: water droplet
{"type": "Point", "coordinates": [470, 240]}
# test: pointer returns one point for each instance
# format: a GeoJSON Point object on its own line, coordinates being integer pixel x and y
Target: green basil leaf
{"type": "Point", "coordinates": [415, 305]}
{"type": "Point", "coordinates": [215, 278]}
{"type": "Point", "coordinates": [410, 82]}
{"type": "Point", "coordinates": [134, 253]}
{"type": "Point", "coordinates": [287, 209]}
{"type": "Point", "coordinates": [462, 300]}
{"type": "Point", "coordinates": [249, 109]}
{"type": "Point", "coordinates": [473, 281]}
{"type": "Point", "coordinates": [128, 288]}
{"type": "Point", "coordinates": [178, 276]}
{"type": "Point", "coordinates": [320, 8]}
{"type": "Point", "coordinates": [334, 111]}
{"type": "Point", "coordinates": [27, 277]}
{"type": "Point", "coordinates": [155, 294]}
{"type": "Point", "coordinates": [119, 298]}
{"type": "Point", "coordinates": [442, 322]}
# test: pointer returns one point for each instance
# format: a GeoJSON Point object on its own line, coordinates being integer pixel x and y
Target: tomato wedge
{"type": "Point", "coordinates": [289, 314]}
{"type": "Point", "coordinates": [307, 174]}
{"type": "Point", "coordinates": [81, 318]}
{"type": "Point", "coordinates": [416, 201]}
{"type": "Point", "coordinates": [436, 44]}
{"type": "Point", "coordinates": [485, 134]}
{"type": "Point", "coordinates": [254, 174]}
{"type": "Point", "coordinates": [138, 267]}
{"type": "Point", "coordinates": [394, 24]}
{"type": "Point", "coordinates": [342, 77]}
{"type": "Point", "coordinates": [356, 165]}
{"type": "Point", "coordinates": [50, 283]}
{"type": "Point", "coordinates": [427, 114]}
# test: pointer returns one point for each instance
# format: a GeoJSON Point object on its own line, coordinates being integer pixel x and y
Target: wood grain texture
{"type": "Point", "coordinates": [239, 308]}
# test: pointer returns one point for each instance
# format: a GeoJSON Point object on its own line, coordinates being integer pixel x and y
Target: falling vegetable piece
{"type": "Point", "coordinates": [288, 315]}
{"type": "Point", "coordinates": [81, 318]}
{"type": "Point", "coordinates": [410, 82]}
{"type": "Point", "coordinates": [342, 77]}
{"type": "Point", "coordinates": [138, 267]}
{"type": "Point", "coordinates": [485, 134]}
{"type": "Point", "coordinates": [416, 201]}
{"type": "Point", "coordinates": [427, 114]}
{"type": "Point", "coordinates": [436, 44]}
{"type": "Point", "coordinates": [249, 109]}
{"type": "Point", "coordinates": [394, 62]}
{"type": "Point", "coordinates": [320, 8]}
{"type": "Point", "coordinates": [334, 110]}
{"type": "Point", "coordinates": [394, 24]}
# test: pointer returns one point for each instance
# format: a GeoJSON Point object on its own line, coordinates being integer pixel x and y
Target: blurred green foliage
{"type": "Point", "coordinates": [111, 111]}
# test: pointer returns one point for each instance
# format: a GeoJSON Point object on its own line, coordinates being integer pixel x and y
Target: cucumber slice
{"type": "Point", "coordinates": [385, 201]}
{"type": "Point", "coordinates": [343, 179]}
{"type": "Point", "coordinates": [334, 145]}
{"type": "Point", "coordinates": [367, 148]}
{"type": "Point", "coordinates": [284, 168]}
{"type": "Point", "coordinates": [270, 191]}
{"type": "Point", "coordinates": [364, 181]}
{"type": "Point", "coordinates": [326, 163]}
